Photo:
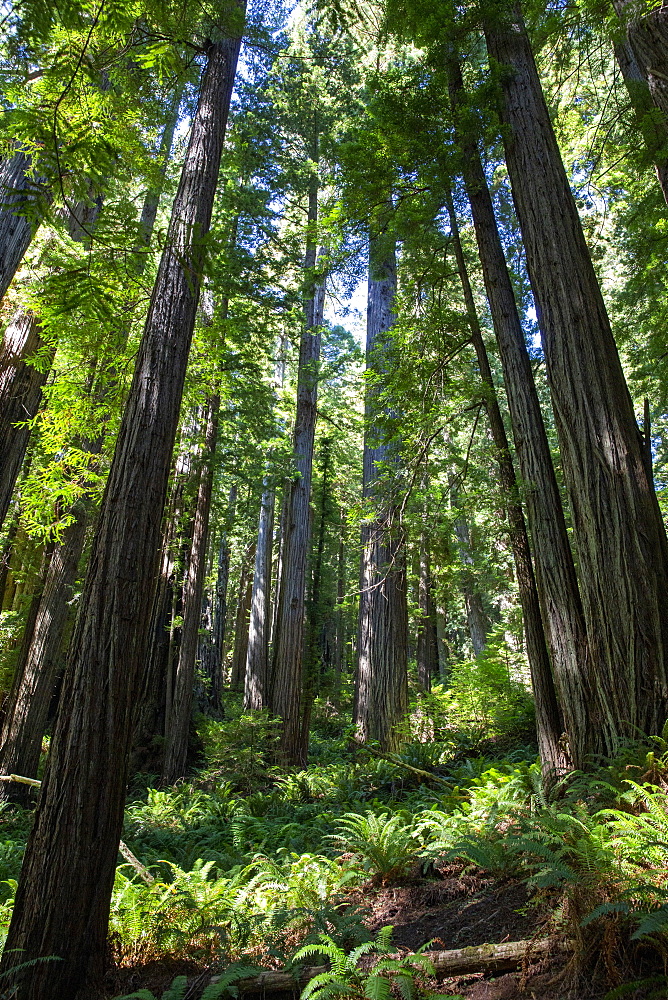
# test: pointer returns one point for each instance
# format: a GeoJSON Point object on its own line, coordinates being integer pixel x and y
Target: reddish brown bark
{"type": "Point", "coordinates": [620, 536]}
{"type": "Point", "coordinates": [549, 722]}
{"type": "Point", "coordinates": [287, 666]}
{"type": "Point", "coordinates": [62, 903]}
{"type": "Point", "coordinates": [381, 688]}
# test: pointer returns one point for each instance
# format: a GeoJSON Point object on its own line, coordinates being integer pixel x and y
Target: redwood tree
{"type": "Point", "coordinates": [381, 689]}
{"type": "Point", "coordinates": [619, 532]}
{"type": "Point", "coordinates": [62, 902]}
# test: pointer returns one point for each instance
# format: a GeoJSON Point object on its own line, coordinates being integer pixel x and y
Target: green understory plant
{"type": "Point", "coordinates": [225, 985]}
{"type": "Point", "coordinates": [386, 845]}
{"type": "Point", "coordinates": [347, 978]}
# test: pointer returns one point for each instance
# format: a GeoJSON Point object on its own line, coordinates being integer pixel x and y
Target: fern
{"type": "Point", "coordinates": [386, 844]}
{"type": "Point", "coordinates": [345, 978]}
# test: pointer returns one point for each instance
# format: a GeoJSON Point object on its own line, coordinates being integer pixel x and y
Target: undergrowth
{"type": "Point", "coordinates": [248, 864]}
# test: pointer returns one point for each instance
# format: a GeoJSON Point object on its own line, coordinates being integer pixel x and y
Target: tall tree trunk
{"type": "Point", "coordinates": [39, 663]}
{"type": "Point", "coordinates": [152, 197]}
{"type": "Point", "coordinates": [427, 647]}
{"type": "Point", "coordinates": [21, 386]}
{"type": "Point", "coordinates": [339, 657]}
{"type": "Point", "coordinates": [314, 652]}
{"type": "Point", "coordinates": [242, 620]}
{"type": "Point", "coordinates": [549, 723]}
{"type": "Point", "coordinates": [620, 536]}
{"type": "Point", "coordinates": [217, 658]}
{"type": "Point", "coordinates": [257, 657]}
{"type": "Point", "coordinates": [381, 690]}
{"type": "Point", "coordinates": [178, 728]}
{"type": "Point", "coordinates": [62, 902]}
{"type": "Point", "coordinates": [643, 60]}
{"type": "Point", "coordinates": [286, 681]}
{"type": "Point", "coordinates": [476, 617]}
{"type": "Point", "coordinates": [556, 577]}
{"type": "Point", "coordinates": [17, 192]}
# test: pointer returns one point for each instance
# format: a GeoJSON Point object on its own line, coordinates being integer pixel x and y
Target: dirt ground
{"type": "Point", "coordinates": [457, 910]}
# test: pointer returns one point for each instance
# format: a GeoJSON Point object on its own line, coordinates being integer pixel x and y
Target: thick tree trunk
{"type": "Point", "coordinates": [287, 666]}
{"type": "Point", "coordinates": [620, 536]}
{"type": "Point", "coordinates": [39, 665]}
{"type": "Point", "coordinates": [40, 662]}
{"type": "Point", "coordinates": [62, 902]}
{"type": "Point", "coordinates": [549, 724]}
{"type": "Point", "coordinates": [257, 662]}
{"type": "Point", "coordinates": [21, 386]}
{"type": "Point", "coordinates": [381, 689]}
{"type": "Point", "coordinates": [647, 38]}
{"type": "Point", "coordinates": [178, 727]}
{"type": "Point", "coordinates": [556, 577]}
{"type": "Point", "coordinates": [17, 192]}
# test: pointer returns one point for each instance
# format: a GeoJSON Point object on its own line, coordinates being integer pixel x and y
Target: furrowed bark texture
{"type": "Point", "coordinates": [16, 230]}
{"type": "Point", "coordinates": [556, 577]}
{"type": "Point", "coordinates": [62, 903]}
{"type": "Point", "coordinates": [621, 540]}
{"type": "Point", "coordinates": [549, 723]}
{"type": "Point", "coordinates": [38, 667]}
{"type": "Point", "coordinates": [21, 387]}
{"type": "Point", "coordinates": [257, 664]}
{"type": "Point", "coordinates": [647, 35]}
{"type": "Point", "coordinates": [381, 690]}
{"type": "Point", "coordinates": [178, 728]}
{"type": "Point", "coordinates": [286, 684]}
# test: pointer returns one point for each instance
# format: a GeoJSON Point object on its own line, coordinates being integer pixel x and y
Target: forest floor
{"type": "Point", "coordinates": [454, 842]}
{"type": "Point", "coordinates": [457, 909]}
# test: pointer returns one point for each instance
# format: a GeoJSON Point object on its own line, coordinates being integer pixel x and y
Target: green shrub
{"type": "Point", "coordinates": [240, 751]}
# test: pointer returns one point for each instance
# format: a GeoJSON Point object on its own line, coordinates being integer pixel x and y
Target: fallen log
{"type": "Point", "coordinates": [485, 958]}
{"type": "Point", "coordinates": [398, 762]}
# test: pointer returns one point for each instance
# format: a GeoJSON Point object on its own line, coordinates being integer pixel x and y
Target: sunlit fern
{"type": "Point", "coordinates": [385, 845]}
{"type": "Point", "coordinates": [347, 979]}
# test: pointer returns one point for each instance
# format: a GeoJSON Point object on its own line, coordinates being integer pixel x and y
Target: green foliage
{"type": "Point", "coordinates": [347, 978]}
{"type": "Point", "coordinates": [487, 693]}
{"type": "Point", "coordinates": [225, 985]}
{"type": "Point", "coordinates": [384, 844]}
{"type": "Point", "coordinates": [240, 751]}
